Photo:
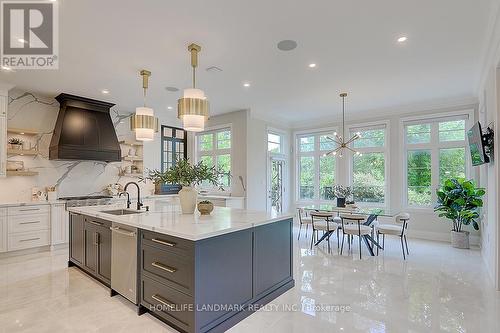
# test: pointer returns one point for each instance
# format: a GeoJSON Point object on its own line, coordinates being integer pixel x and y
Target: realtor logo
{"type": "Point", "coordinates": [29, 35]}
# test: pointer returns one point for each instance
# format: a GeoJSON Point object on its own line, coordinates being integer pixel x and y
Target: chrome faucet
{"type": "Point", "coordinates": [139, 203]}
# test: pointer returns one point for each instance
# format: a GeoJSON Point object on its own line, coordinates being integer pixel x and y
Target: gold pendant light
{"type": "Point", "coordinates": [343, 145]}
{"type": "Point", "coordinates": [192, 109]}
{"type": "Point", "coordinates": [143, 122]}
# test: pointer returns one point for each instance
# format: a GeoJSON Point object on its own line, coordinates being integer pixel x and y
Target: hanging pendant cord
{"type": "Point", "coordinates": [343, 119]}
{"type": "Point", "coordinates": [194, 77]}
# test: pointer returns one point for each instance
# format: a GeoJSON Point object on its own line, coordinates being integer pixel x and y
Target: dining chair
{"type": "Point", "coordinates": [303, 220]}
{"type": "Point", "coordinates": [323, 221]}
{"type": "Point", "coordinates": [398, 229]}
{"type": "Point", "coordinates": [352, 225]}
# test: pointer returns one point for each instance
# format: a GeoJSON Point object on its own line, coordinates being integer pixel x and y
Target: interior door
{"type": "Point", "coordinates": [276, 187]}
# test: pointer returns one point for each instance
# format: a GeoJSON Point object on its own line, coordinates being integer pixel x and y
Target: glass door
{"type": "Point", "coordinates": [276, 187]}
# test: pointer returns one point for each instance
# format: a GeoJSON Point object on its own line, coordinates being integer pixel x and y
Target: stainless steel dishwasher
{"type": "Point", "coordinates": [124, 261]}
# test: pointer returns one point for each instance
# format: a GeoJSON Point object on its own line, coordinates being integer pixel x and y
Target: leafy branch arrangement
{"type": "Point", "coordinates": [343, 192]}
{"type": "Point", "coordinates": [459, 200]}
{"type": "Point", "coordinates": [185, 174]}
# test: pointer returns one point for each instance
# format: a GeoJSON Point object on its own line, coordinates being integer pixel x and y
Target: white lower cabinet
{"type": "Point", "coordinates": [3, 230]}
{"type": "Point", "coordinates": [3, 143]}
{"type": "Point", "coordinates": [28, 227]}
{"type": "Point", "coordinates": [59, 224]}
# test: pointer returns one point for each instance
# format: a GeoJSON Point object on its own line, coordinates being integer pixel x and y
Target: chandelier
{"type": "Point", "coordinates": [192, 108]}
{"type": "Point", "coordinates": [340, 140]}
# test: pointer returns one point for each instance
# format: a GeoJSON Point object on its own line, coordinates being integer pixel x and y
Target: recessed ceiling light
{"type": "Point", "coordinates": [172, 89]}
{"type": "Point", "coordinates": [20, 40]}
{"type": "Point", "coordinates": [105, 91]}
{"type": "Point", "coordinates": [312, 65]}
{"type": "Point", "coordinates": [169, 107]}
{"type": "Point", "coordinates": [287, 45]}
{"type": "Point", "coordinates": [246, 84]}
{"type": "Point", "coordinates": [402, 39]}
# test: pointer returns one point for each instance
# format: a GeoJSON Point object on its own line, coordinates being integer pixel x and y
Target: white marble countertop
{"type": "Point", "coordinates": [30, 203]}
{"type": "Point", "coordinates": [166, 218]}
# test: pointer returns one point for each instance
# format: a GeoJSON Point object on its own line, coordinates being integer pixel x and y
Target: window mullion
{"type": "Point", "coordinates": [434, 160]}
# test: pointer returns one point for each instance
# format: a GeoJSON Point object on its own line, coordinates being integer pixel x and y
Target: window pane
{"type": "Point", "coordinates": [419, 177]}
{"type": "Point", "coordinates": [179, 134]}
{"type": "Point", "coordinates": [370, 138]}
{"type": "Point", "coordinates": [167, 131]}
{"type": "Point", "coordinates": [306, 174]}
{"type": "Point", "coordinates": [224, 140]}
{"type": "Point", "coordinates": [207, 160]}
{"type": "Point", "coordinates": [451, 164]}
{"type": "Point", "coordinates": [452, 130]}
{"type": "Point", "coordinates": [326, 177]}
{"type": "Point", "coordinates": [420, 133]}
{"type": "Point", "coordinates": [206, 141]}
{"type": "Point", "coordinates": [274, 147]}
{"type": "Point", "coordinates": [326, 142]}
{"type": "Point", "coordinates": [273, 138]}
{"type": "Point", "coordinates": [224, 164]}
{"type": "Point", "coordinates": [369, 177]}
{"type": "Point", "coordinates": [306, 143]}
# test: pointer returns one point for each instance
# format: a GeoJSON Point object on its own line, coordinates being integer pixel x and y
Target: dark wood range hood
{"type": "Point", "coordinates": [84, 131]}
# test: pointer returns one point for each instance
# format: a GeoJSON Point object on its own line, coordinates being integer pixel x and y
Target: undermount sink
{"type": "Point", "coordinates": [122, 212]}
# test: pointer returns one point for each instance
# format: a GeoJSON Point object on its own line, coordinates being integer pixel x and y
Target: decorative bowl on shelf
{"type": "Point", "coordinates": [205, 207]}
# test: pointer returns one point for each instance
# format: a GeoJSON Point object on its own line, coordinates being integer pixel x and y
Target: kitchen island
{"type": "Point", "coordinates": [195, 273]}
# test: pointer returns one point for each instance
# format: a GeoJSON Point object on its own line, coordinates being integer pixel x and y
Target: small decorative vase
{"type": "Point", "coordinates": [205, 208]}
{"type": "Point", "coordinates": [460, 239]}
{"type": "Point", "coordinates": [187, 197]}
{"type": "Point", "coordinates": [340, 202]}
{"type": "Point", "coordinates": [157, 188]}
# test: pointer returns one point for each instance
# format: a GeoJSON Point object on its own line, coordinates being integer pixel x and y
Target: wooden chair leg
{"type": "Point", "coordinates": [338, 239]}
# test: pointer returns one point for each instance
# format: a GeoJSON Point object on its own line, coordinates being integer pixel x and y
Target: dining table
{"type": "Point", "coordinates": [372, 214]}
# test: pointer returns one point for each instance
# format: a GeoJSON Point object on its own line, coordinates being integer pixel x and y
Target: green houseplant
{"type": "Point", "coordinates": [460, 200]}
{"type": "Point", "coordinates": [188, 175]}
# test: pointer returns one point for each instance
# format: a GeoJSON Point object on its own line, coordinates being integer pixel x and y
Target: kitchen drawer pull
{"type": "Point", "coordinates": [95, 223]}
{"type": "Point", "coordinates": [121, 232]}
{"type": "Point", "coordinates": [28, 209]}
{"type": "Point", "coordinates": [159, 241]}
{"type": "Point", "coordinates": [162, 301]}
{"type": "Point", "coordinates": [29, 239]}
{"type": "Point", "coordinates": [32, 222]}
{"type": "Point", "coordinates": [164, 267]}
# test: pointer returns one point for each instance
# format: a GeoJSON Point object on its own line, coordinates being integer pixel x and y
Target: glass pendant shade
{"type": "Point", "coordinates": [193, 110]}
{"type": "Point", "coordinates": [146, 131]}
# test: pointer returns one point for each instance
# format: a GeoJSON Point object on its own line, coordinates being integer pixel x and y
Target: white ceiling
{"type": "Point", "coordinates": [104, 44]}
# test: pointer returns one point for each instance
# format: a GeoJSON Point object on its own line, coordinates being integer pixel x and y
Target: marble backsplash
{"type": "Point", "coordinates": [31, 111]}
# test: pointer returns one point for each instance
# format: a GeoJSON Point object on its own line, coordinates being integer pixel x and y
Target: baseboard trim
{"type": "Point", "coordinates": [439, 236]}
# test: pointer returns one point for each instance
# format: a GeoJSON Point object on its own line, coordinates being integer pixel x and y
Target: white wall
{"type": "Point", "coordinates": [424, 222]}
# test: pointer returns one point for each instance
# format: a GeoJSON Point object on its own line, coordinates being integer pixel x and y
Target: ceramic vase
{"type": "Point", "coordinates": [188, 197]}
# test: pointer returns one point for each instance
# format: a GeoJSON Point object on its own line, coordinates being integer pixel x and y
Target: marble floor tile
{"type": "Point", "coordinates": [438, 289]}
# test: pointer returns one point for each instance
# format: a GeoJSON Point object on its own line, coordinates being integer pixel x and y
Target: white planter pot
{"type": "Point", "coordinates": [188, 197]}
{"type": "Point", "coordinates": [460, 240]}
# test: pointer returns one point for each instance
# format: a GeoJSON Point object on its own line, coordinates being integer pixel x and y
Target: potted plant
{"type": "Point", "coordinates": [459, 200]}
{"type": "Point", "coordinates": [16, 143]}
{"type": "Point", "coordinates": [188, 175]}
{"type": "Point", "coordinates": [205, 207]}
{"type": "Point", "coordinates": [342, 193]}
{"type": "Point", "coordinates": [158, 178]}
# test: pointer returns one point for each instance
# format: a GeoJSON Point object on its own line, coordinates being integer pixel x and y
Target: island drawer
{"type": "Point", "coordinates": [172, 269]}
{"type": "Point", "coordinates": [171, 305]}
{"type": "Point", "coordinates": [168, 243]}
{"type": "Point", "coordinates": [98, 222]}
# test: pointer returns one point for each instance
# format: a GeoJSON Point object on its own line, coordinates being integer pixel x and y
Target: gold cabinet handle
{"type": "Point", "coordinates": [32, 222]}
{"type": "Point", "coordinates": [164, 267]}
{"type": "Point", "coordinates": [163, 301]}
{"type": "Point", "coordinates": [159, 241]}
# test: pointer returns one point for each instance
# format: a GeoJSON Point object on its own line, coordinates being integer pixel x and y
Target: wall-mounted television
{"type": "Point", "coordinates": [477, 145]}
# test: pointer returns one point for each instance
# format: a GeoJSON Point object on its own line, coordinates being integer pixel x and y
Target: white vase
{"type": "Point", "coordinates": [188, 197]}
{"type": "Point", "coordinates": [460, 240]}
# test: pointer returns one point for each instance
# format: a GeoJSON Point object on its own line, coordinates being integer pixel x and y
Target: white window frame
{"type": "Point", "coordinates": [385, 150]}
{"type": "Point", "coordinates": [214, 153]}
{"type": "Point", "coordinates": [316, 154]}
{"type": "Point", "coordinates": [434, 146]}
{"type": "Point", "coordinates": [281, 143]}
